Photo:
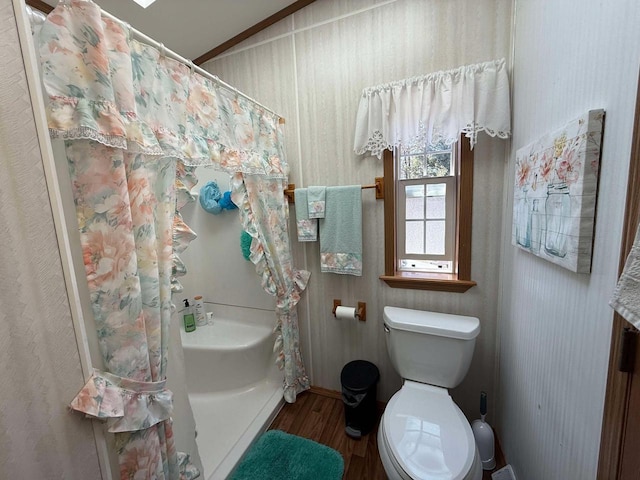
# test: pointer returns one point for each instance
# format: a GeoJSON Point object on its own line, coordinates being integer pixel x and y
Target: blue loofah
{"type": "Point", "coordinates": [226, 203]}
{"type": "Point", "coordinates": [209, 198]}
{"type": "Point", "coordinates": [245, 244]}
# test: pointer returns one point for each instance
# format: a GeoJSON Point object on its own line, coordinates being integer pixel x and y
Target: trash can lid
{"type": "Point", "coordinates": [359, 375]}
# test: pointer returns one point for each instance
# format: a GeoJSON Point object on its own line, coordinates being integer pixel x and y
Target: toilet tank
{"type": "Point", "coordinates": [429, 347]}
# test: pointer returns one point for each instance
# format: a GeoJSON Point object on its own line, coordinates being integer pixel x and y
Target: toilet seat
{"type": "Point", "coordinates": [426, 435]}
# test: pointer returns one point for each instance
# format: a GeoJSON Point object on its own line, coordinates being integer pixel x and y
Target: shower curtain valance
{"type": "Point", "coordinates": [105, 86]}
{"type": "Point", "coordinates": [433, 108]}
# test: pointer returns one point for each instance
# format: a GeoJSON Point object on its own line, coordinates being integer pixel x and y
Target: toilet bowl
{"type": "Point", "coordinates": [423, 434]}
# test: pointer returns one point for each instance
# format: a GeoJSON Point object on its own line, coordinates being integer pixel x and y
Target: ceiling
{"type": "Point", "coordinates": [192, 27]}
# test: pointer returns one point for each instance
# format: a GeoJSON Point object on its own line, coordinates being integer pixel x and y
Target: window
{"type": "Point", "coordinates": [428, 202]}
{"type": "Point", "coordinates": [425, 199]}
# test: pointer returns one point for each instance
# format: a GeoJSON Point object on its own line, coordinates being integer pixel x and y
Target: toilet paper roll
{"type": "Point", "coordinates": [345, 313]}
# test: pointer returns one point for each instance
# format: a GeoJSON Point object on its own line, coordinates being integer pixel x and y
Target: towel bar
{"type": "Point", "coordinates": [378, 185]}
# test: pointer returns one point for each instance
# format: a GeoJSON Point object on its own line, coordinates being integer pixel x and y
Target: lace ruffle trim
{"type": "Point", "coordinates": [114, 141]}
{"type": "Point", "coordinates": [86, 133]}
{"type": "Point", "coordinates": [104, 123]}
{"type": "Point", "coordinates": [249, 163]}
{"type": "Point", "coordinates": [376, 144]}
{"type": "Point", "coordinates": [472, 131]}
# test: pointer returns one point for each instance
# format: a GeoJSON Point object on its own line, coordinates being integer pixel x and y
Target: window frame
{"type": "Point", "coordinates": [459, 281]}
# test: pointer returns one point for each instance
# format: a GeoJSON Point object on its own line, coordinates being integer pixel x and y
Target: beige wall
{"type": "Point", "coordinates": [570, 57]}
{"type": "Point", "coordinates": [39, 437]}
{"type": "Point", "coordinates": [311, 68]}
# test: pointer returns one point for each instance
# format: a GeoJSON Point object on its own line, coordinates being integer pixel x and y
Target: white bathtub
{"type": "Point", "coordinates": [234, 387]}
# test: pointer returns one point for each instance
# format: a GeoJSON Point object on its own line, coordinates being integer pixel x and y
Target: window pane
{"type": "Point", "coordinates": [433, 165]}
{"type": "Point", "coordinates": [414, 203]}
{"type": "Point", "coordinates": [412, 167]}
{"type": "Point", "coordinates": [436, 189]}
{"type": "Point", "coordinates": [436, 195]}
{"type": "Point", "coordinates": [415, 208]}
{"type": "Point", "coordinates": [438, 165]}
{"type": "Point", "coordinates": [414, 237]}
{"type": "Point", "coordinates": [435, 237]}
{"type": "Point", "coordinates": [415, 190]}
{"type": "Point", "coordinates": [436, 208]}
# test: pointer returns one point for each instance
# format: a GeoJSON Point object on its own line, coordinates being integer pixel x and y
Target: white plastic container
{"type": "Point", "coordinates": [198, 310]}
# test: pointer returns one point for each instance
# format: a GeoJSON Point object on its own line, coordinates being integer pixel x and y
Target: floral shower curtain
{"type": "Point", "coordinates": [135, 124]}
{"type": "Point", "coordinates": [265, 216]}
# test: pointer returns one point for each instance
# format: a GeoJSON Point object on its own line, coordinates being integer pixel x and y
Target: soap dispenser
{"type": "Point", "coordinates": [188, 317]}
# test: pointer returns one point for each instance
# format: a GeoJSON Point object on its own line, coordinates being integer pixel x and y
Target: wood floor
{"type": "Point", "coordinates": [321, 418]}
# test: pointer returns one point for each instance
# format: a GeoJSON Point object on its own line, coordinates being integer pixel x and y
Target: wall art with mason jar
{"type": "Point", "coordinates": [555, 193]}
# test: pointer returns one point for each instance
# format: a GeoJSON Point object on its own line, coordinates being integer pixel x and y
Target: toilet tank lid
{"type": "Point", "coordinates": [433, 323]}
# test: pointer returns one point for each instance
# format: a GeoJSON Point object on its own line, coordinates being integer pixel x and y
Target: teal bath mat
{"type": "Point", "coordinates": [278, 456]}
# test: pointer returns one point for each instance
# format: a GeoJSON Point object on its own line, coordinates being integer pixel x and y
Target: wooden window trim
{"type": "Point", "coordinates": [444, 282]}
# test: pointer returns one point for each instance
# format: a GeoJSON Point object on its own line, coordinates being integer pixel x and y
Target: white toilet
{"type": "Point", "coordinates": [423, 434]}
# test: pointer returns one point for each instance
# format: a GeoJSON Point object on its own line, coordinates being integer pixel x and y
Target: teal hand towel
{"type": "Point", "coordinates": [316, 201]}
{"type": "Point", "coordinates": [341, 231]}
{"type": "Point", "coordinates": [306, 227]}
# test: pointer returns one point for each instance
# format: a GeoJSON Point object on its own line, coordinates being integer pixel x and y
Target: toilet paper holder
{"type": "Point", "coordinates": [361, 310]}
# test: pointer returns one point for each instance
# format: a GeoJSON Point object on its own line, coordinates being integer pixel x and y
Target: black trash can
{"type": "Point", "coordinates": [359, 380]}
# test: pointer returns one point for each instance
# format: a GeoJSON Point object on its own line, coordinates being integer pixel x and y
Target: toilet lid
{"type": "Point", "coordinates": [428, 434]}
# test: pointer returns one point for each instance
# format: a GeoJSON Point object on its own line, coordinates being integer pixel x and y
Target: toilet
{"type": "Point", "coordinates": [423, 434]}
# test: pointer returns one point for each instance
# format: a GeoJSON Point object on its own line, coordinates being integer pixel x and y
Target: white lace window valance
{"type": "Point", "coordinates": [433, 108]}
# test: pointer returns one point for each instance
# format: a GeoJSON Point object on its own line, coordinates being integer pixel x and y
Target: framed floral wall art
{"type": "Point", "coordinates": [556, 183]}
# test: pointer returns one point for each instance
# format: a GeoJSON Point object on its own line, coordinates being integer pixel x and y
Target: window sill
{"type": "Point", "coordinates": [440, 282]}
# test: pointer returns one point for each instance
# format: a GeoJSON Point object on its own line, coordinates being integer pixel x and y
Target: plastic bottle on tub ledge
{"type": "Point", "coordinates": [198, 309]}
{"type": "Point", "coordinates": [188, 318]}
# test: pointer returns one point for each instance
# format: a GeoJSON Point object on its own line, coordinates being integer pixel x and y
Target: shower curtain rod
{"type": "Point", "coordinates": [186, 61]}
